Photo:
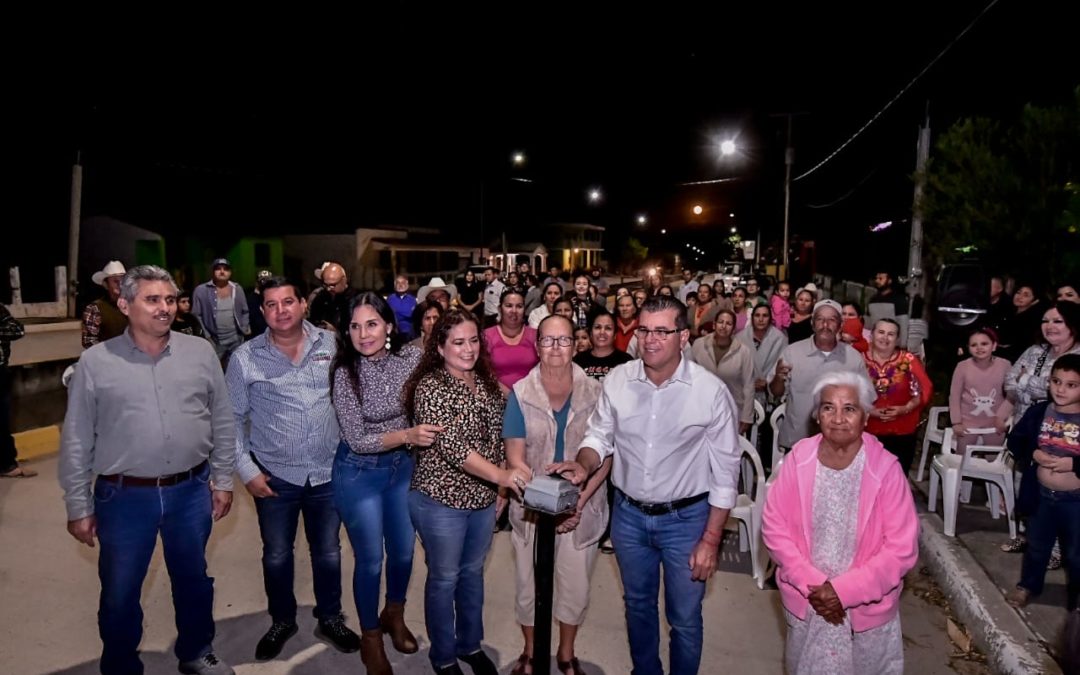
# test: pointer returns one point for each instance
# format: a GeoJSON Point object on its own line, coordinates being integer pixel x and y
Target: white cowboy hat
{"type": "Point", "coordinates": [436, 284]}
{"type": "Point", "coordinates": [114, 268]}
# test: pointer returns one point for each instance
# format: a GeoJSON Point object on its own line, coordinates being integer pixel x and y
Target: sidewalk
{"type": "Point", "coordinates": [975, 574]}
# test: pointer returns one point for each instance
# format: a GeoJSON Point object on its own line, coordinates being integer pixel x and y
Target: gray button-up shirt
{"type": "Point", "coordinates": [138, 415]}
{"type": "Point", "coordinates": [808, 363]}
{"type": "Point", "coordinates": [283, 410]}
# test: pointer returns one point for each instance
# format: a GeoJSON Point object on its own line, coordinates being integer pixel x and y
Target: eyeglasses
{"type": "Point", "coordinates": [658, 333]}
{"type": "Point", "coordinates": [547, 342]}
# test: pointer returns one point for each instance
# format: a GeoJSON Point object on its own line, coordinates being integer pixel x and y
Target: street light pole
{"type": "Point", "coordinates": [789, 159]}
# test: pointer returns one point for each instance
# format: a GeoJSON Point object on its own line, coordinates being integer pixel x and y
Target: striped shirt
{"type": "Point", "coordinates": [284, 416]}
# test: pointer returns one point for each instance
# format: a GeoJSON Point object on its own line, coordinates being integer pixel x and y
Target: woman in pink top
{"type": "Point", "coordinates": [841, 570]}
{"type": "Point", "coordinates": [511, 344]}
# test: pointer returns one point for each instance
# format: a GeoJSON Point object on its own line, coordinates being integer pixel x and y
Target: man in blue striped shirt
{"type": "Point", "coordinates": [287, 434]}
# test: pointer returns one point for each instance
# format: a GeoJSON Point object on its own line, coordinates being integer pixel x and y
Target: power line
{"type": "Point", "coordinates": [847, 194]}
{"type": "Point", "coordinates": [901, 93]}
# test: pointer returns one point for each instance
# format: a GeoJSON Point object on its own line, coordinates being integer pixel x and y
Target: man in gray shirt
{"type": "Point", "coordinates": [148, 413]}
{"type": "Point", "coordinates": [221, 306]}
{"type": "Point", "coordinates": [287, 435]}
{"type": "Point", "coordinates": [802, 362]}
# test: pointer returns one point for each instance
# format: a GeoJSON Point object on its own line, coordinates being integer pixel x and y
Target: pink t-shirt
{"type": "Point", "coordinates": [977, 395]}
{"type": "Point", "coordinates": [511, 362]}
{"type": "Point", "coordinates": [781, 311]}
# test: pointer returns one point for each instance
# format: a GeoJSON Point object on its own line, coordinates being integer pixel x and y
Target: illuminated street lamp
{"type": "Point", "coordinates": [663, 231]}
{"type": "Point", "coordinates": [519, 159]}
{"type": "Point", "coordinates": [595, 195]}
{"type": "Point", "coordinates": [697, 209]}
{"type": "Point", "coordinates": [641, 220]}
{"type": "Point", "coordinates": [728, 147]}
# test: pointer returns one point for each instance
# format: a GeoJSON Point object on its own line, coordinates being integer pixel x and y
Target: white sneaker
{"type": "Point", "coordinates": [208, 664]}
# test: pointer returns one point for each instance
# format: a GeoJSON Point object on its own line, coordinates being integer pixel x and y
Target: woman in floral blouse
{"type": "Point", "coordinates": [455, 485]}
{"type": "Point", "coordinates": [903, 390]}
{"type": "Point", "coordinates": [373, 468]}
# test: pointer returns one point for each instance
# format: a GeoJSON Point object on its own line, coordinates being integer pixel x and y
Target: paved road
{"type": "Point", "coordinates": [49, 588]}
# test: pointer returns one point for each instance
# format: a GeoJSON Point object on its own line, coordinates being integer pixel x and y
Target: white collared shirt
{"type": "Point", "coordinates": [672, 441]}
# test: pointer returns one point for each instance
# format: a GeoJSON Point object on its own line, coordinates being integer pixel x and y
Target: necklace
{"type": "Point", "coordinates": [892, 373]}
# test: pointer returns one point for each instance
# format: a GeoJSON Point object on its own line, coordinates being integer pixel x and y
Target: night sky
{"type": "Point", "coordinates": [326, 124]}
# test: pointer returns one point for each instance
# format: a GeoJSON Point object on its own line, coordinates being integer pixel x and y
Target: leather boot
{"type": "Point", "coordinates": [392, 621]}
{"type": "Point", "coordinates": [372, 653]}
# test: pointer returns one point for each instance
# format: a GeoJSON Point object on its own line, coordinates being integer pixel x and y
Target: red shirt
{"type": "Point", "coordinates": [897, 381]}
{"type": "Point", "coordinates": [623, 334]}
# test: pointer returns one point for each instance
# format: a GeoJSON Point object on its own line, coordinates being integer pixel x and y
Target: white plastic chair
{"type": "Point", "coordinates": [951, 469]}
{"type": "Point", "coordinates": [748, 510]}
{"type": "Point", "coordinates": [759, 419]}
{"type": "Point", "coordinates": [934, 434]}
{"type": "Point", "coordinates": [774, 422]}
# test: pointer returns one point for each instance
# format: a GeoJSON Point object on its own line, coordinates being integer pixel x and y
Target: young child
{"type": "Point", "coordinates": [185, 321]}
{"type": "Point", "coordinates": [582, 343]}
{"type": "Point", "coordinates": [977, 395]}
{"type": "Point", "coordinates": [781, 305]}
{"type": "Point", "coordinates": [1046, 444]}
{"type": "Point", "coordinates": [852, 330]}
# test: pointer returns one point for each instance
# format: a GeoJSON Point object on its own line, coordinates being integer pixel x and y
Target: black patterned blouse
{"type": "Point", "coordinates": [473, 423]}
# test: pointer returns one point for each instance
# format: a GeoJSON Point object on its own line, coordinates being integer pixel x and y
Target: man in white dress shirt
{"type": "Point", "coordinates": [672, 428]}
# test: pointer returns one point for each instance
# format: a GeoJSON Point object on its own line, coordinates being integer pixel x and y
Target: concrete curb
{"type": "Point", "coordinates": [38, 443]}
{"type": "Point", "coordinates": [1010, 646]}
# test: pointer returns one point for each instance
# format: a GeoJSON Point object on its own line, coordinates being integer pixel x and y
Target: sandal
{"type": "Point", "coordinates": [19, 472]}
{"type": "Point", "coordinates": [524, 661]}
{"type": "Point", "coordinates": [573, 666]}
{"type": "Point", "coordinates": [1016, 545]}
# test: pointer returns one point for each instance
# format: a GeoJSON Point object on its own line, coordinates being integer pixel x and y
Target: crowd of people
{"type": "Point", "coordinates": [403, 416]}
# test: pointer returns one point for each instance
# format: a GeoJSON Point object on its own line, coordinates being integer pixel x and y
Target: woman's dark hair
{"type": "Point", "coordinates": [422, 309]}
{"type": "Point", "coordinates": [596, 314]}
{"type": "Point", "coordinates": [666, 287]}
{"type": "Point", "coordinates": [561, 300]}
{"type": "Point", "coordinates": [548, 285]}
{"type": "Point", "coordinates": [508, 292]}
{"type": "Point", "coordinates": [1070, 312]}
{"type": "Point", "coordinates": [432, 360]}
{"type": "Point", "coordinates": [347, 355]}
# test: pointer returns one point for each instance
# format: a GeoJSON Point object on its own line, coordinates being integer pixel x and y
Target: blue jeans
{"type": "Point", "coordinates": [129, 520]}
{"type": "Point", "coordinates": [456, 541]}
{"type": "Point", "coordinates": [642, 543]}
{"type": "Point", "coordinates": [1058, 517]}
{"type": "Point", "coordinates": [278, 519]}
{"type": "Point", "coordinates": [372, 496]}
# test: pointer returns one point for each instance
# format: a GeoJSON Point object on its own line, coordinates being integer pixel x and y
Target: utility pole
{"type": "Point", "coordinates": [74, 219]}
{"type": "Point", "coordinates": [789, 159]}
{"type": "Point", "coordinates": [916, 280]}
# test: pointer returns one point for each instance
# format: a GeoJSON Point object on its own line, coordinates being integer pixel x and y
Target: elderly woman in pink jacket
{"type": "Point", "coordinates": [840, 569]}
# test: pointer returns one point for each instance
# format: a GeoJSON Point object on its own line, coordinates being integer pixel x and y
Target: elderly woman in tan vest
{"type": "Point", "coordinates": [546, 416]}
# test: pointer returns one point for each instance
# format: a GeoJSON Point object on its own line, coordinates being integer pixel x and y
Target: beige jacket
{"type": "Point", "coordinates": [540, 445]}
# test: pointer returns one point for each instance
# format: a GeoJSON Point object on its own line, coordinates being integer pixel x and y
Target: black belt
{"type": "Point", "coordinates": [663, 507]}
{"type": "Point", "coordinates": [160, 481]}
